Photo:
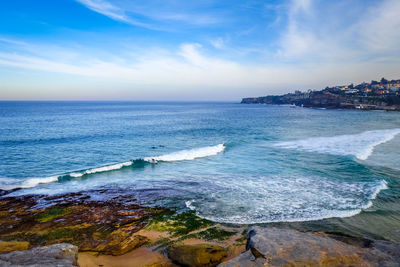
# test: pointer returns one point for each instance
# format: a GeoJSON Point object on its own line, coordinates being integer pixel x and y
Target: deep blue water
{"type": "Point", "coordinates": [230, 162]}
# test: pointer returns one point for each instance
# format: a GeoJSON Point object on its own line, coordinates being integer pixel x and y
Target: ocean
{"type": "Point", "coordinates": [328, 170]}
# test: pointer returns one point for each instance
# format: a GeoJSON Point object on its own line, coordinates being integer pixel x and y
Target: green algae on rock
{"type": "Point", "coordinates": [211, 234]}
{"type": "Point", "coordinates": [178, 224]}
{"type": "Point", "coordinates": [53, 212]}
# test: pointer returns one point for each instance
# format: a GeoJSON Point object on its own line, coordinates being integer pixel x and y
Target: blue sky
{"type": "Point", "coordinates": [192, 50]}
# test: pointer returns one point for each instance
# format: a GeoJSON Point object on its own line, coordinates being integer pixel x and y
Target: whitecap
{"type": "Point", "coordinates": [359, 145]}
{"type": "Point", "coordinates": [101, 169]}
{"type": "Point", "coordinates": [189, 154]}
{"type": "Point", "coordinates": [8, 184]}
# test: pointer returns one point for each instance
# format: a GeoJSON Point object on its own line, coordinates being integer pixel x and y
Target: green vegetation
{"type": "Point", "coordinates": [52, 213]}
{"type": "Point", "coordinates": [178, 224]}
{"type": "Point", "coordinates": [212, 234]}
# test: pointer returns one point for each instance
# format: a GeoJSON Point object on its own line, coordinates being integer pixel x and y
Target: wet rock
{"type": "Point", "coordinates": [197, 255]}
{"type": "Point", "coordinates": [121, 245]}
{"type": "Point", "coordinates": [8, 246]}
{"type": "Point", "coordinates": [107, 226]}
{"type": "Point", "coordinates": [287, 247]}
{"type": "Point", "coordinates": [61, 255]}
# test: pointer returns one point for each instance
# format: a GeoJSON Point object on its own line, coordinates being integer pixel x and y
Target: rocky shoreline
{"type": "Point", "coordinates": [114, 229]}
{"type": "Point", "coordinates": [119, 231]}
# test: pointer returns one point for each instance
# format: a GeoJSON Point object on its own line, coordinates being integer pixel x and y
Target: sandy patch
{"type": "Point", "coordinates": [137, 258]}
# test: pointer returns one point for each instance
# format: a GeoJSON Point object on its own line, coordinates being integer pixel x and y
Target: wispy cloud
{"type": "Point", "coordinates": [12, 41]}
{"type": "Point", "coordinates": [314, 44]}
{"type": "Point", "coordinates": [107, 9]}
{"type": "Point", "coordinates": [218, 43]}
{"type": "Point", "coordinates": [190, 66]}
{"type": "Point", "coordinates": [381, 31]}
{"type": "Point", "coordinates": [330, 33]}
{"type": "Point", "coordinates": [156, 13]}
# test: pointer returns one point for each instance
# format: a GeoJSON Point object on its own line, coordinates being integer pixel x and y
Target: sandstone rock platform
{"type": "Point", "coordinates": [288, 247]}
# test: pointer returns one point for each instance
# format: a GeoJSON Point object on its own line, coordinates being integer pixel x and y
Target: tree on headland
{"type": "Point", "coordinates": [384, 81]}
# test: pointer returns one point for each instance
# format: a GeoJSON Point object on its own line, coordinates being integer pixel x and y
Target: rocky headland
{"type": "Point", "coordinates": [336, 98]}
{"type": "Point", "coordinates": [329, 100]}
{"type": "Point", "coordinates": [76, 230]}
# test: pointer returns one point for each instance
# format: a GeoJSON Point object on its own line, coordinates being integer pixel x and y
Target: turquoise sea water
{"type": "Point", "coordinates": [229, 162]}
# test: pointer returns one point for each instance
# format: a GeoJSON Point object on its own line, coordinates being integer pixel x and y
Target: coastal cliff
{"type": "Point", "coordinates": [327, 99]}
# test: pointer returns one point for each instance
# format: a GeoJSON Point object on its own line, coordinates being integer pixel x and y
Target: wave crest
{"type": "Point", "coordinates": [101, 169]}
{"type": "Point", "coordinates": [359, 145]}
{"type": "Point", "coordinates": [190, 154]}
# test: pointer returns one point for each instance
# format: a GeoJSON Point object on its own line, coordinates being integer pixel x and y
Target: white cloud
{"type": "Point", "coordinates": [330, 33]}
{"type": "Point", "coordinates": [380, 27]}
{"type": "Point", "coordinates": [218, 43]}
{"type": "Point", "coordinates": [320, 46]}
{"type": "Point", "coordinates": [107, 9]}
{"type": "Point", "coordinates": [192, 68]}
{"type": "Point", "coordinates": [155, 12]}
{"type": "Point", "coordinates": [12, 41]}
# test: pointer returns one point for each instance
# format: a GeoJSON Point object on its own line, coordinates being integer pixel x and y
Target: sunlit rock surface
{"type": "Point", "coordinates": [287, 247]}
{"type": "Point", "coordinates": [60, 255]}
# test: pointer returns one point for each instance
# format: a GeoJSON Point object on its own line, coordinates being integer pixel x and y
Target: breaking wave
{"type": "Point", "coordinates": [317, 202]}
{"type": "Point", "coordinates": [190, 154]}
{"type": "Point", "coordinates": [359, 145]}
{"type": "Point", "coordinates": [102, 169]}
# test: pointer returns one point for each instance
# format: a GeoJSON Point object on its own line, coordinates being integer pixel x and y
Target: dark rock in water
{"type": "Point", "coordinates": [60, 255]}
{"type": "Point", "coordinates": [287, 247]}
{"type": "Point", "coordinates": [5, 192]}
{"type": "Point", "coordinates": [197, 255]}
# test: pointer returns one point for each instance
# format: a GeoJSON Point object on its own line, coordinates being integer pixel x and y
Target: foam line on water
{"type": "Point", "coordinates": [360, 145]}
{"type": "Point", "coordinates": [101, 169]}
{"type": "Point", "coordinates": [10, 183]}
{"type": "Point", "coordinates": [271, 202]}
{"type": "Point", "coordinates": [189, 154]}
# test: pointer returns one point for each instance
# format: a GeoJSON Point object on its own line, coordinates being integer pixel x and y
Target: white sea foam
{"type": "Point", "coordinates": [101, 169]}
{"type": "Point", "coordinates": [9, 184]}
{"type": "Point", "coordinates": [176, 156]}
{"type": "Point", "coordinates": [379, 188]}
{"type": "Point", "coordinates": [33, 182]}
{"type": "Point", "coordinates": [37, 181]}
{"type": "Point", "coordinates": [266, 199]}
{"type": "Point", "coordinates": [189, 154]}
{"type": "Point", "coordinates": [359, 145]}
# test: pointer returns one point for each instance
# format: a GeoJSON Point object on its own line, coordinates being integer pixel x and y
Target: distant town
{"type": "Point", "coordinates": [376, 95]}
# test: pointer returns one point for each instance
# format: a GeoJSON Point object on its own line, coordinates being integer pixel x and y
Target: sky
{"type": "Point", "coordinates": [192, 50]}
